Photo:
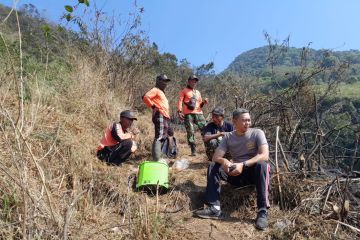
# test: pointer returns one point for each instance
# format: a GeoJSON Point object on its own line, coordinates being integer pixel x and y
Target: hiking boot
{"type": "Point", "coordinates": [209, 212]}
{"type": "Point", "coordinates": [261, 221]}
{"type": "Point", "coordinates": [193, 149]}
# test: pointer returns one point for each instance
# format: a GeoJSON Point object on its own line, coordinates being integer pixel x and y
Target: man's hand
{"type": "Point", "coordinates": [154, 110]}
{"type": "Point", "coordinates": [134, 147]}
{"type": "Point", "coordinates": [239, 167]}
{"type": "Point", "coordinates": [181, 116]}
{"type": "Point", "coordinates": [225, 164]}
{"type": "Point", "coordinates": [135, 130]}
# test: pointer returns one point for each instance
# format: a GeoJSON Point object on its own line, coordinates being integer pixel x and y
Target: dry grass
{"type": "Point", "coordinates": [51, 183]}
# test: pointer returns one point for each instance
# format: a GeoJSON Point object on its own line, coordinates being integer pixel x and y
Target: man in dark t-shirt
{"type": "Point", "coordinates": [214, 131]}
{"type": "Point", "coordinates": [249, 150]}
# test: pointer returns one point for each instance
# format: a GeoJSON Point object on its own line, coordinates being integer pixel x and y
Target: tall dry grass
{"type": "Point", "coordinates": [51, 184]}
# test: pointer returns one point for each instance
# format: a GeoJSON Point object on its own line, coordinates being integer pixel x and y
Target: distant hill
{"type": "Point", "coordinates": [254, 61]}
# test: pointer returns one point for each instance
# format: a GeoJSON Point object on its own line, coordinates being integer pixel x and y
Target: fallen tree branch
{"type": "Point", "coordinates": [277, 168]}
{"type": "Point", "coordinates": [349, 226]}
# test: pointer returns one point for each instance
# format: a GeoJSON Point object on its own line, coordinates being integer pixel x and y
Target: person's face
{"type": "Point", "coordinates": [126, 122]}
{"type": "Point", "coordinates": [192, 83]}
{"type": "Point", "coordinates": [217, 119]}
{"type": "Point", "coordinates": [243, 122]}
{"type": "Point", "coordinates": [162, 84]}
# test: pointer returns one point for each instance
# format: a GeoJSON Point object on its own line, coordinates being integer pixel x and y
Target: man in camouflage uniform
{"type": "Point", "coordinates": [190, 106]}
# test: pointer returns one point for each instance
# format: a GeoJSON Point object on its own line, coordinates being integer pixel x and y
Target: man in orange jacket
{"type": "Point", "coordinates": [190, 106]}
{"type": "Point", "coordinates": [156, 100]}
{"type": "Point", "coordinates": [117, 144]}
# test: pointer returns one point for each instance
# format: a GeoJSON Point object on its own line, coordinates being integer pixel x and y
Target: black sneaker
{"type": "Point", "coordinates": [261, 221]}
{"type": "Point", "coordinates": [209, 212]}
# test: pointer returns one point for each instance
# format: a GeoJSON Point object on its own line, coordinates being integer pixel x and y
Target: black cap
{"type": "Point", "coordinates": [128, 114]}
{"type": "Point", "coordinates": [193, 77]}
{"type": "Point", "coordinates": [163, 77]}
{"type": "Point", "coordinates": [218, 111]}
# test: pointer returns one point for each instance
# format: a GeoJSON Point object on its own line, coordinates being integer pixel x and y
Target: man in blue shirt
{"type": "Point", "coordinates": [214, 131]}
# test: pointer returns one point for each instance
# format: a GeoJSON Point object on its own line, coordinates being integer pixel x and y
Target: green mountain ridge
{"type": "Point", "coordinates": [256, 61]}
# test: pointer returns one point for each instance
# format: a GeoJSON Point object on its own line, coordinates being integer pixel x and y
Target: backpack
{"type": "Point", "coordinates": [169, 147]}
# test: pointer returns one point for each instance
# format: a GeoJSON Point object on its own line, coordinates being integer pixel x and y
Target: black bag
{"type": "Point", "coordinates": [169, 147]}
{"type": "Point", "coordinates": [191, 104]}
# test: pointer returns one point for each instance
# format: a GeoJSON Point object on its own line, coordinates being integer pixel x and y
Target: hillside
{"type": "Point", "coordinates": [256, 61]}
{"type": "Point", "coordinates": [60, 89]}
{"type": "Point", "coordinates": [288, 61]}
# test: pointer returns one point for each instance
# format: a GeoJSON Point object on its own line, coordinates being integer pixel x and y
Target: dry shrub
{"type": "Point", "coordinates": [305, 198]}
{"type": "Point", "coordinates": [238, 201]}
{"type": "Point", "coordinates": [312, 227]}
{"type": "Point", "coordinates": [52, 185]}
{"type": "Point", "coordinates": [291, 188]}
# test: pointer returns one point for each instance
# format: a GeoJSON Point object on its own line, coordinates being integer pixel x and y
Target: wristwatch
{"type": "Point", "coordinates": [246, 165]}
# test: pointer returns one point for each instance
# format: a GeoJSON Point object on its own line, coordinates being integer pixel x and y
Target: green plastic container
{"type": "Point", "coordinates": [152, 174]}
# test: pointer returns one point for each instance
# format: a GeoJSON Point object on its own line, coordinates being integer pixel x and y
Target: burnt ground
{"type": "Point", "coordinates": [239, 205]}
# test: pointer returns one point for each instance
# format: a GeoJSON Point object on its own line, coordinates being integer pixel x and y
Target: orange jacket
{"type": "Point", "coordinates": [110, 131]}
{"type": "Point", "coordinates": [184, 97]}
{"type": "Point", "coordinates": [156, 97]}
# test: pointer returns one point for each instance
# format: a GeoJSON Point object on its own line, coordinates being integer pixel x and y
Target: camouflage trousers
{"type": "Point", "coordinates": [210, 148]}
{"type": "Point", "coordinates": [190, 120]}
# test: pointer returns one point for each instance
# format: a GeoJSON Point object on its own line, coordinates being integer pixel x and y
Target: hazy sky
{"type": "Point", "coordinates": [218, 30]}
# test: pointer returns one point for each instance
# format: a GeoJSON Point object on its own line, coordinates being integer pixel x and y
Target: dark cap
{"type": "Point", "coordinates": [193, 77]}
{"type": "Point", "coordinates": [128, 114]}
{"type": "Point", "coordinates": [218, 111]}
{"type": "Point", "coordinates": [239, 111]}
{"type": "Point", "coordinates": [163, 77]}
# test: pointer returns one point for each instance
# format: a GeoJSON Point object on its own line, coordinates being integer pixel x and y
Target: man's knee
{"type": "Point", "coordinates": [127, 144]}
{"type": "Point", "coordinates": [213, 168]}
{"type": "Point", "coordinates": [213, 143]}
{"type": "Point", "coordinates": [262, 164]}
{"type": "Point", "coordinates": [262, 168]}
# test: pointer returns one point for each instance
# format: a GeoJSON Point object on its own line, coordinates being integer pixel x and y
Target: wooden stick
{"type": "Point", "coordinates": [146, 217]}
{"type": "Point", "coordinates": [343, 211]}
{"type": "Point", "coordinates": [327, 196]}
{"type": "Point", "coordinates": [271, 162]}
{"type": "Point", "coordinates": [157, 200]}
{"type": "Point", "coordinates": [349, 226]}
{"type": "Point", "coordinates": [284, 156]}
{"type": "Point", "coordinates": [277, 168]}
{"type": "Point", "coordinates": [336, 229]}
